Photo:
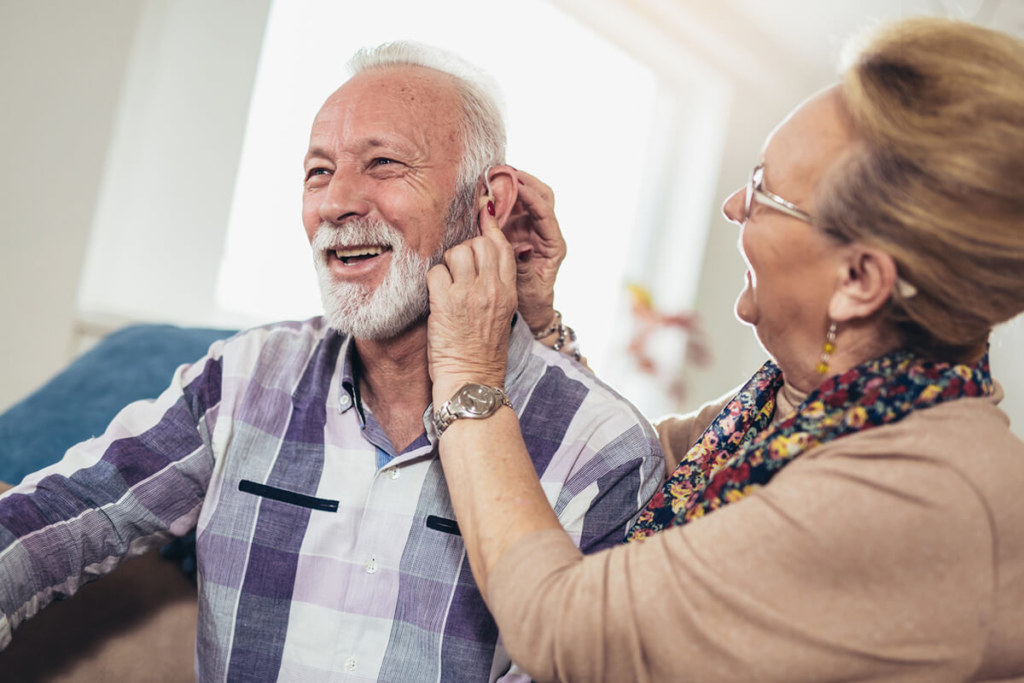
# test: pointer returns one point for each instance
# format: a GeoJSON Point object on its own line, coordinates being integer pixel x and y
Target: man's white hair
{"type": "Point", "coordinates": [483, 127]}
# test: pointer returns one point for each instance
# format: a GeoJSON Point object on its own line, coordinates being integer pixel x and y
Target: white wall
{"type": "Point", "coordinates": [61, 65]}
{"type": "Point", "coordinates": [118, 113]}
{"type": "Point", "coordinates": [163, 206]}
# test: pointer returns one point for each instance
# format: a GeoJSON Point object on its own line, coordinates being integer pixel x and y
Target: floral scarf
{"type": "Point", "coordinates": [742, 450]}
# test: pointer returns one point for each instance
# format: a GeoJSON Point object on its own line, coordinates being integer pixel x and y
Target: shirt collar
{"type": "Point", "coordinates": [519, 343]}
{"type": "Point", "coordinates": [348, 397]}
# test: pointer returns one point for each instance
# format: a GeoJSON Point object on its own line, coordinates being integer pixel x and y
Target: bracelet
{"type": "Point", "coordinates": [573, 348]}
{"type": "Point", "coordinates": [556, 325]}
{"type": "Point", "coordinates": [564, 332]}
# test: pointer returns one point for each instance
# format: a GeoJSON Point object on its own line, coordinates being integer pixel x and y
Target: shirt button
{"type": "Point", "coordinates": [394, 473]}
{"type": "Point", "coordinates": [351, 663]}
{"type": "Point", "coordinates": [371, 566]}
{"type": "Point", "coordinates": [344, 400]}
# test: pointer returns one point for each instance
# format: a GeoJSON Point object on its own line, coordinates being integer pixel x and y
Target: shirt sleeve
{"type": "Point", "coordinates": [614, 479]}
{"type": "Point", "coordinates": [109, 498]}
{"type": "Point", "coordinates": [872, 564]}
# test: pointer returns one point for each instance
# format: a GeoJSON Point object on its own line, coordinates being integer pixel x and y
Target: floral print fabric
{"type": "Point", "coordinates": [742, 450]}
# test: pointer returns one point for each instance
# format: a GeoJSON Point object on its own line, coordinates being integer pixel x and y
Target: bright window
{"type": "Point", "coordinates": [582, 114]}
{"type": "Point", "coordinates": [579, 114]}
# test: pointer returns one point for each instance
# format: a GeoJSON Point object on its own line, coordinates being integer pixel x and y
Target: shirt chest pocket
{"type": "Point", "coordinates": [286, 496]}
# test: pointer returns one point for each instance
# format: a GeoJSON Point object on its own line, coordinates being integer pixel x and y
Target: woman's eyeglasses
{"type": "Point", "coordinates": [757, 193]}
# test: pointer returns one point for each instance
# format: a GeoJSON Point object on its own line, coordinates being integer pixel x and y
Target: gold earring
{"type": "Point", "coordinates": [827, 349]}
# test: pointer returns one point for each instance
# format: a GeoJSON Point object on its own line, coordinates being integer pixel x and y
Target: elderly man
{"type": "Point", "coordinates": [305, 454]}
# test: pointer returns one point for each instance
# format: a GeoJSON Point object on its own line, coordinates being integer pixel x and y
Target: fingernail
{"type": "Point", "coordinates": [490, 208]}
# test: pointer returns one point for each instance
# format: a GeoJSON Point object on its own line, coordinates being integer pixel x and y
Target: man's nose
{"type": "Point", "coordinates": [345, 197]}
{"type": "Point", "coordinates": [733, 206]}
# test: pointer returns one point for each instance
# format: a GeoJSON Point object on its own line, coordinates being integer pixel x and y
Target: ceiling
{"type": "Point", "coordinates": [769, 50]}
{"type": "Point", "coordinates": [814, 31]}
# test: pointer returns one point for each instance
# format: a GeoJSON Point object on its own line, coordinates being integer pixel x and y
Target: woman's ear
{"type": "Point", "coordinates": [866, 281]}
{"type": "Point", "coordinates": [504, 190]}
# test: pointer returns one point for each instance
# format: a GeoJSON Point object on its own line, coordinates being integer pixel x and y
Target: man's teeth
{"type": "Point", "coordinates": [358, 252]}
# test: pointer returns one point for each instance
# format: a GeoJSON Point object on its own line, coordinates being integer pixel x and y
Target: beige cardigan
{"type": "Point", "coordinates": [891, 554]}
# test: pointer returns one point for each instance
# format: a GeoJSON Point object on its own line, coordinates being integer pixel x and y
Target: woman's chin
{"type": "Point", "coordinates": [745, 308]}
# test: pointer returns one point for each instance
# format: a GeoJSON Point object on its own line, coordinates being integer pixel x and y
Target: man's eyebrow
{"type": "Point", "coordinates": [314, 152]}
{"type": "Point", "coordinates": [395, 143]}
{"type": "Point", "coordinates": [368, 145]}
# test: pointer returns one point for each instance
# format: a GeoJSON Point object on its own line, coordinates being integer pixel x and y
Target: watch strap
{"type": "Point", "coordinates": [444, 416]}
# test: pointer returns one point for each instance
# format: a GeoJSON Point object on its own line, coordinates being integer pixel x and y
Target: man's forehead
{"type": "Point", "coordinates": [392, 103]}
{"type": "Point", "coordinates": [417, 91]}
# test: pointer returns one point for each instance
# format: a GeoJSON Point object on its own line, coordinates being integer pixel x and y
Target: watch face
{"type": "Point", "coordinates": [477, 399]}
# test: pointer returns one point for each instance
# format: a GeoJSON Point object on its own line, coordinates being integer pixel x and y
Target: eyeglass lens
{"type": "Point", "coordinates": [755, 180]}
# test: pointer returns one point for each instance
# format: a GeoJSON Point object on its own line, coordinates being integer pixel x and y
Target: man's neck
{"type": "Point", "coordinates": [394, 382]}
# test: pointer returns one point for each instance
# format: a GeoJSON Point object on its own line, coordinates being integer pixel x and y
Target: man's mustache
{"type": "Point", "coordinates": [357, 232]}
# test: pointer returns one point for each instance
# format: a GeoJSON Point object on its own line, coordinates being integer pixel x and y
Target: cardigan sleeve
{"type": "Point", "coordinates": [865, 559]}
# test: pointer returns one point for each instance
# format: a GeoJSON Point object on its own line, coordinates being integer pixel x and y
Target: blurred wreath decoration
{"type": "Point", "coordinates": [664, 364]}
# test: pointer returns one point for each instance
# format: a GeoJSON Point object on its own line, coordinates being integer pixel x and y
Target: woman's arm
{"type": "Point", "coordinates": [494, 488]}
{"type": "Point", "coordinates": [830, 572]}
{"type": "Point", "coordinates": [846, 566]}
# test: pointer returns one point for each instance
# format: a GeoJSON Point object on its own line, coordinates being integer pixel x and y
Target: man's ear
{"type": "Point", "coordinates": [866, 281]}
{"type": "Point", "coordinates": [504, 191]}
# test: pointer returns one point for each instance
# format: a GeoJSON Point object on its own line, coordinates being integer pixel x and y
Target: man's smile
{"type": "Point", "coordinates": [358, 254]}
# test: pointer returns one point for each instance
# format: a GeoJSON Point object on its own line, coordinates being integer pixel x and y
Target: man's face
{"type": "Point", "coordinates": [380, 177]}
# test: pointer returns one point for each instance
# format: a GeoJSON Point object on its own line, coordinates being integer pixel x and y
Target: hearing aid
{"type": "Point", "coordinates": [487, 183]}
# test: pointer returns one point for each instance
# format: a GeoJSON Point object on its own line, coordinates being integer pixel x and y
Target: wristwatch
{"type": "Point", "coordinates": [475, 401]}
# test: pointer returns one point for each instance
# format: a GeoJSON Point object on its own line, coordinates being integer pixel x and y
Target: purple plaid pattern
{"type": "Point", "coordinates": [321, 565]}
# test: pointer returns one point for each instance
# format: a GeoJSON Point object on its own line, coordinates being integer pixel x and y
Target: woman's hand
{"type": "Point", "coordinates": [472, 300]}
{"type": "Point", "coordinates": [492, 482]}
{"type": "Point", "coordinates": [539, 250]}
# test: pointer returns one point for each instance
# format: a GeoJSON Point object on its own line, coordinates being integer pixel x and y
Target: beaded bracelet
{"type": "Point", "coordinates": [556, 325]}
{"type": "Point", "coordinates": [564, 332]}
{"type": "Point", "coordinates": [572, 348]}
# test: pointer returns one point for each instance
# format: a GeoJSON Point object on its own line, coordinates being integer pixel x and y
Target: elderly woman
{"type": "Point", "coordinates": [851, 513]}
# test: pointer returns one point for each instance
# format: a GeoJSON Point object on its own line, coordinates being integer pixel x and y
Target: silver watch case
{"type": "Point", "coordinates": [473, 401]}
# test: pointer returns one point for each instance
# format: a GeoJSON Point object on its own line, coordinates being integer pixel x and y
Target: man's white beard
{"type": "Point", "coordinates": [402, 298]}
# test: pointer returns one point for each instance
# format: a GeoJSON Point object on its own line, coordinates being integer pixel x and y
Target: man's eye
{"type": "Point", "coordinates": [316, 172]}
{"type": "Point", "coordinates": [382, 161]}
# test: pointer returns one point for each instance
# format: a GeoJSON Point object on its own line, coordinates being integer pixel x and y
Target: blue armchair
{"type": "Point", "coordinates": [139, 622]}
{"type": "Point", "coordinates": [131, 364]}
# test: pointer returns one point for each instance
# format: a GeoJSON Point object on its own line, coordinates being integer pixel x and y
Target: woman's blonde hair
{"type": "Point", "coordinates": [937, 177]}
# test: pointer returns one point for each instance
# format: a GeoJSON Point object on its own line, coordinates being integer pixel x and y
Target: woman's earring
{"type": "Point", "coordinates": [828, 348]}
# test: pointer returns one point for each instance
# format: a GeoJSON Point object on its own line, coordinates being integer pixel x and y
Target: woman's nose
{"type": "Point", "coordinates": [733, 206]}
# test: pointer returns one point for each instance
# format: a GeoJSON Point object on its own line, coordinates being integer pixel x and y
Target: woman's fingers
{"type": "Point", "coordinates": [539, 250]}
{"type": "Point", "coordinates": [478, 270]}
{"type": "Point", "coordinates": [533, 221]}
{"type": "Point", "coordinates": [495, 253]}
{"type": "Point", "coordinates": [461, 262]}
{"type": "Point", "coordinates": [534, 185]}
{"type": "Point", "coordinates": [472, 299]}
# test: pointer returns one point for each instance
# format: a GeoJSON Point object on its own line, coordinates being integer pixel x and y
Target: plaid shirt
{"type": "Point", "coordinates": [323, 554]}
